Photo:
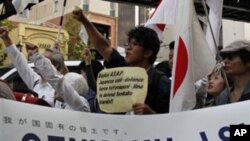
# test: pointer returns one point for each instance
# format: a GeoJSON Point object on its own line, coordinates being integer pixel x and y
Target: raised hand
{"type": "Point", "coordinates": [3, 31]}
{"type": "Point", "coordinates": [78, 14]}
{"type": "Point", "coordinates": [31, 49]}
{"type": "Point", "coordinates": [4, 34]}
{"type": "Point", "coordinates": [87, 56]}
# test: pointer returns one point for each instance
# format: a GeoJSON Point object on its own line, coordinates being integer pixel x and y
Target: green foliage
{"type": "Point", "coordinates": [75, 44]}
{"type": "Point", "coordinates": [73, 27]}
{"type": "Point", "coordinates": [10, 26]}
{"type": "Point", "coordinates": [7, 23]}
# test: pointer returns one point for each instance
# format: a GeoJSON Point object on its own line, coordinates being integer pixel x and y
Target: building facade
{"type": "Point", "coordinates": [48, 14]}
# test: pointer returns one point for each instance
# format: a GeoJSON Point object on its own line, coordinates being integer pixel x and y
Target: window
{"type": "Point", "coordinates": [85, 5]}
{"type": "Point", "coordinates": [55, 6]}
{"type": "Point", "coordinates": [112, 9]}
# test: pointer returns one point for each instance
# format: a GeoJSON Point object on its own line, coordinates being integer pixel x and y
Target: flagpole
{"type": "Point", "coordinates": [218, 57]}
{"type": "Point", "coordinates": [210, 26]}
{"type": "Point", "coordinates": [61, 21]}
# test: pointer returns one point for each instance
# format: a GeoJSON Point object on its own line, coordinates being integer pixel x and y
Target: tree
{"type": "Point", "coordinates": [10, 26]}
{"type": "Point", "coordinates": [75, 43]}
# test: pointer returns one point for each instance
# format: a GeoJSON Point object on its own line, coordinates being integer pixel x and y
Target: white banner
{"type": "Point", "coordinates": [25, 122]}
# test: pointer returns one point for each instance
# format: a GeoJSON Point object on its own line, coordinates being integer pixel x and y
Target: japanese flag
{"type": "Point", "coordinates": [157, 21]}
{"type": "Point", "coordinates": [193, 59]}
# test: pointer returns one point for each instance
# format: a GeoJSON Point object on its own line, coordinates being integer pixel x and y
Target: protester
{"type": "Point", "coordinates": [142, 50]}
{"type": "Point", "coordinates": [31, 49]}
{"type": "Point", "coordinates": [57, 58]}
{"type": "Point", "coordinates": [171, 55]}
{"type": "Point", "coordinates": [70, 88]}
{"type": "Point", "coordinates": [6, 92]}
{"type": "Point", "coordinates": [214, 86]}
{"type": "Point", "coordinates": [39, 83]}
{"type": "Point", "coordinates": [48, 52]}
{"type": "Point", "coordinates": [236, 57]}
{"type": "Point", "coordinates": [29, 76]}
{"type": "Point", "coordinates": [164, 67]}
{"type": "Point", "coordinates": [90, 69]}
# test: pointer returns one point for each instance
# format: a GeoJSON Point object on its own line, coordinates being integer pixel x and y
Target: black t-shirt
{"type": "Point", "coordinates": [158, 94]}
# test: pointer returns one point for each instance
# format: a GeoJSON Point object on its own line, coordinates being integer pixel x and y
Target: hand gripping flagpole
{"type": "Point", "coordinates": [61, 21]}
{"type": "Point", "coordinates": [218, 57]}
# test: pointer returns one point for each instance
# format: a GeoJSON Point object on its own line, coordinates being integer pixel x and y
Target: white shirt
{"type": "Point", "coordinates": [29, 76]}
{"type": "Point", "coordinates": [72, 99]}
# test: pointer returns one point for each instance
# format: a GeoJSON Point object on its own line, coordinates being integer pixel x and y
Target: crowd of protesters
{"type": "Point", "coordinates": [67, 90]}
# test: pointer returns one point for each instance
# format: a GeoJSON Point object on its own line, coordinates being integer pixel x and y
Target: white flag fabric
{"type": "Point", "coordinates": [158, 28]}
{"type": "Point", "coordinates": [193, 59]}
{"type": "Point", "coordinates": [165, 13]}
{"type": "Point", "coordinates": [158, 15]}
{"type": "Point", "coordinates": [215, 18]}
{"type": "Point", "coordinates": [20, 5]}
{"type": "Point", "coordinates": [83, 33]}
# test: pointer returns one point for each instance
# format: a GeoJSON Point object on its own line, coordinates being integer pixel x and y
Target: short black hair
{"type": "Point", "coordinates": [164, 67]}
{"type": "Point", "coordinates": [171, 45]}
{"type": "Point", "coordinates": [96, 66]}
{"type": "Point", "coordinates": [147, 38]}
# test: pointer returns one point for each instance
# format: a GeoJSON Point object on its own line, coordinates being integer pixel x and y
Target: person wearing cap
{"type": "Point", "coordinates": [236, 57]}
{"type": "Point", "coordinates": [143, 47]}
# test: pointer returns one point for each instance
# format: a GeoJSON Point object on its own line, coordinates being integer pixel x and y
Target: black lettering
{"type": "Point", "coordinates": [136, 86]}
{"type": "Point", "coordinates": [127, 93]}
{"type": "Point", "coordinates": [103, 75]}
{"type": "Point", "coordinates": [108, 101]}
{"type": "Point", "coordinates": [116, 73]}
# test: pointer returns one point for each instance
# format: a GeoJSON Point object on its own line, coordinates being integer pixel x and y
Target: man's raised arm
{"type": "Point", "coordinates": [100, 43]}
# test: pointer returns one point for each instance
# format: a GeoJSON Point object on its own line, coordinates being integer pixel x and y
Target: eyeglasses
{"type": "Point", "coordinates": [229, 56]}
{"type": "Point", "coordinates": [132, 44]}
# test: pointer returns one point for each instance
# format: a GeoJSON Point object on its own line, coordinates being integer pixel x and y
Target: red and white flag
{"type": "Point", "coordinates": [215, 18]}
{"type": "Point", "coordinates": [159, 12]}
{"type": "Point", "coordinates": [193, 60]}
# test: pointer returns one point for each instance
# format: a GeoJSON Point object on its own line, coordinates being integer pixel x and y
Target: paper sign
{"type": "Point", "coordinates": [119, 88]}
